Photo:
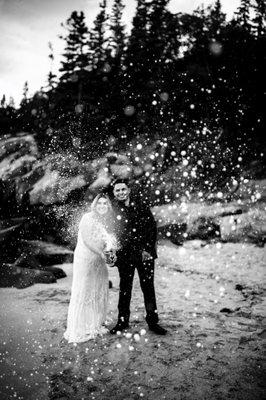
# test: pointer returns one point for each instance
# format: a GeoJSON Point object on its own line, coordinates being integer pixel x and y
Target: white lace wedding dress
{"type": "Point", "coordinates": [89, 293]}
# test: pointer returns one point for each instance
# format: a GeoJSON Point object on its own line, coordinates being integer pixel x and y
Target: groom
{"type": "Point", "coordinates": [136, 231]}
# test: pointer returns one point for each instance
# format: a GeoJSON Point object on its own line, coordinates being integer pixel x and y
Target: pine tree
{"type": "Point", "coordinates": [11, 102]}
{"type": "Point", "coordinates": [158, 40]}
{"type": "Point", "coordinates": [137, 64]}
{"type": "Point", "coordinates": [243, 14]}
{"type": "Point", "coordinates": [25, 93]}
{"type": "Point", "coordinates": [260, 17]}
{"type": "Point", "coordinates": [163, 51]}
{"type": "Point", "coordinates": [3, 101]}
{"type": "Point", "coordinates": [8, 117]}
{"type": "Point", "coordinates": [114, 73]}
{"type": "Point", "coordinates": [138, 39]}
{"type": "Point", "coordinates": [117, 29]}
{"type": "Point", "coordinates": [216, 18]}
{"type": "Point", "coordinates": [98, 39]}
{"type": "Point", "coordinates": [51, 79]}
{"type": "Point", "coordinates": [51, 76]}
{"type": "Point", "coordinates": [75, 54]}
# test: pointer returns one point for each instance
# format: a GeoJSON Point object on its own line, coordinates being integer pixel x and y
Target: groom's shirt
{"type": "Point", "coordinates": [135, 227]}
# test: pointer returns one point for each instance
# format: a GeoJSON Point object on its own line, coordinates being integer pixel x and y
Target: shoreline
{"type": "Point", "coordinates": [207, 354]}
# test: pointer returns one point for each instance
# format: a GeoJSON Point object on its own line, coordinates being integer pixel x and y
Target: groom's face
{"type": "Point", "coordinates": [121, 191]}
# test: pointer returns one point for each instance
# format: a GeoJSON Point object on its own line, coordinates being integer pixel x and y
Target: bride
{"type": "Point", "coordinates": [89, 293]}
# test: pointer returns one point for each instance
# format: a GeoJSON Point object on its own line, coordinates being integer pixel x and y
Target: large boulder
{"type": "Point", "coordinates": [11, 231]}
{"type": "Point", "coordinates": [32, 262]}
{"type": "Point", "coordinates": [25, 183]}
{"type": "Point", "coordinates": [176, 233]}
{"type": "Point", "coordinates": [228, 222]}
{"type": "Point", "coordinates": [14, 276]}
{"type": "Point", "coordinates": [22, 144]}
{"type": "Point", "coordinates": [18, 157]}
{"type": "Point", "coordinates": [54, 188]}
{"type": "Point", "coordinates": [16, 165]}
{"type": "Point", "coordinates": [46, 253]}
{"type": "Point", "coordinates": [106, 169]}
{"type": "Point", "coordinates": [26, 180]}
{"type": "Point", "coordinates": [188, 213]}
{"type": "Point", "coordinates": [252, 190]}
{"type": "Point", "coordinates": [102, 180]}
{"type": "Point", "coordinates": [8, 228]}
{"type": "Point", "coordinates": [248, 227]}
{"type": "Point", "coordinates": [66, 179]}
{"type": "Point", "coordinates": [203, 228]}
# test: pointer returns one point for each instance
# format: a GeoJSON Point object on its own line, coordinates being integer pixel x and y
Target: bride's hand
{"type": "Point", "coordinates": [110, 258]}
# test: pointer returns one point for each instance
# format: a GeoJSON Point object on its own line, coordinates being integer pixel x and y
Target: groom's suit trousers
{"type": "Point", "coordinates": [127, 263]}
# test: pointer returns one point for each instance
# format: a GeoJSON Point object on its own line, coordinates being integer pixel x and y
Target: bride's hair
{"type": "Point", "coordinates": [97, 198]}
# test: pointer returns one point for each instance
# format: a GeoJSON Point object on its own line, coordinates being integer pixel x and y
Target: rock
{"type": "Point", "coordinates": [248, 227]}
{"type": "Point", "coordinates": [244, 313]}
{"type": "Point", "coordinates": [232, 211]}
{"type": "Point", "coordinates": [245, 339]}
{"type": "Point", "coordinates": [18, 155]}
{"type": "Point", "coordinates": [32, 262]}
{"type": "Point", "coordinates": [121, 171]}
{"type": "Point", "coordinates": [53, 188]}
{"type": "Point", "coordinates": [21, 144]}
{"type": "Point", "coordinates": [10, 233]}
{"type": "Point", "coordinates": [174, 232]}
{"type": "Point", "coordinates": [54, 179]}
{"type": "Point", "coordinates": [47, 253]}
{"type": "Point", "coordinates": [188, 212]}
{"type": "Point", "coordinates": [259, 309]}
{"type": "Point", "coordinates": [57, 272]}
{"type": "Point", "coordinates": [35, 264]}
{"type": "Point", "coordinates": [194, 244]}
{"type": "Point", "coordinates": [111, 158]}
{"type": "Point", "coordinates": [227, 226]}
{"type": "Point", "coordinates": [102, 181]}
{"type": "Point", "coordinates": [254, 293]}
{"type": "Point", "coordinates": [112, 166]}
{"type": "Point", "coordinates": [10, 228]}
{"type": "Point", "coordinates": [8, 198]}
{"type": "Point", "coordinates": [262, 334]}
{"type": "Point", "coordinates": [203, 220]}
{"type": "Point", "coordinates": [24, 184]}
{"type": "Point", "coordinates": [252, 190]}
{"type": "Point", "coordinates": [16, 165]}
{"type": "Point", "coordinates": [204, 228]}
{"type": "Point", "coordinates": [12, 276]}
{"type": "Point", "coordinates": [226, 310]}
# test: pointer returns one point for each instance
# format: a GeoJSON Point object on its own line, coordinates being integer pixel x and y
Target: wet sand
{"type": "Point", "coordinates": [211, 299]}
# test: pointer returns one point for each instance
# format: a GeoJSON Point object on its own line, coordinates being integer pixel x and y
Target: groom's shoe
{"type": "Point", "coordinates": [157, 329]}
{"type": "Point", "coordinates": [119, 328]}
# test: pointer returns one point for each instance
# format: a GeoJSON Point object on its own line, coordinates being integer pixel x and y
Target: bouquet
{"type": "Point", "coordinates": [111, 246]}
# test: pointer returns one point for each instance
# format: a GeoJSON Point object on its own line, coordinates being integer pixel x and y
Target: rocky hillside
{"type": "Point", "coordinates": [43, 198]}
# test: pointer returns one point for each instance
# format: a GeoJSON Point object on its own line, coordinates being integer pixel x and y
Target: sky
{"type": "Point", "coordinates": [28, 25]}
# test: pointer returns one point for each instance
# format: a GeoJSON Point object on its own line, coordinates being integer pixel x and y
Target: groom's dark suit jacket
{"type": "Point", "coordinates": [135, 228]}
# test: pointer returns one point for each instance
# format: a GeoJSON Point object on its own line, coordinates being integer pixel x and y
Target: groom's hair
{"type": "Point", "coordinates": [120, 180]}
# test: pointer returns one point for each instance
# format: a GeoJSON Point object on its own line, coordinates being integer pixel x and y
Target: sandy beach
{"type": "Point", "coordinates": [211, 299]}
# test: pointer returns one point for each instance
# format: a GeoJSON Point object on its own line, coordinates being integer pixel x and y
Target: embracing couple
{"type": "Point", "coordinates": [122, 232]}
